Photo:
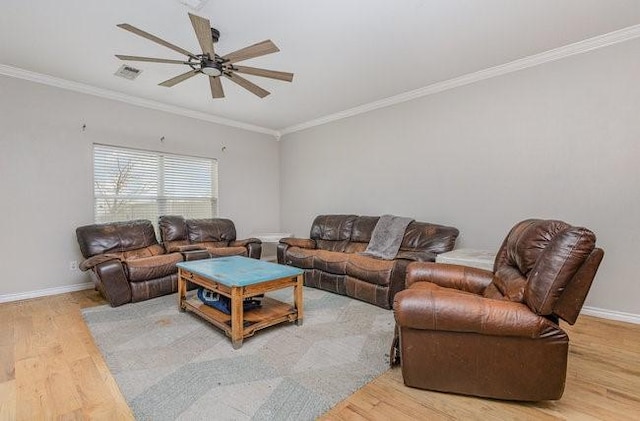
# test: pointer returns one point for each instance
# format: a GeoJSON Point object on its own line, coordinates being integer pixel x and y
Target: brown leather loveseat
{"type": "Point", "coordinates": [497, 334]}
{"type": "Point", "coordinates": [215, 235]}
{"type": "Point", "coordinates": [126, 261]}
{"type": "Point", "coordinates": [331, 260]}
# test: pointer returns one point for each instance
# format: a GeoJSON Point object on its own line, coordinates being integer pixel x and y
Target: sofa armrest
{"type": "Point", "coordinates": [417, 256]}
{"type": "Point", "coordinates": [96, 260]}
{"type": "Point", "coordinates": [245, 242]}
{"type": "Point", "coordinates": [184, 248]}
{"type": "Point", "coordinates": [111, 280]}
{"type": "Point", "coordinates": [305, 243]}
{"type": "Point", "coordinates": [444, 309]}
{"type": "Point", "coordinates": [287, 242]}
{"type": "Point", "coordinates": [458, 277]}
{"type": "Point", "coordinates": [253, 246]}
{"type": "Point", "coordinates": [196, 254]}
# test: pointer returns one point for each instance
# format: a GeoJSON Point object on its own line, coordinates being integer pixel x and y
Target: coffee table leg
{"type": "Point", "coordinates": [298, 299]}
{"type": "Point", "coordinates": [182, 291]}
{"type": "Point", "coordinates": [237, 316]}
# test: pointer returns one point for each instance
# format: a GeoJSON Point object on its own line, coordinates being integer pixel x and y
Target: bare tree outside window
{"type": "Point", "coordinates": [132, 184]}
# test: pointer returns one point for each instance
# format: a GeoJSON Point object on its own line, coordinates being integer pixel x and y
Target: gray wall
{"type": "Point", "coordinates": [46, 174]}
{"type": "Point", "coordinates": [561, 140]}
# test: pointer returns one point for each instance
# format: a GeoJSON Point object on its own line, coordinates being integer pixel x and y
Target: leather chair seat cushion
{"type": "Point", "coordinates": [146, 268]}
{"type": "Point", "coordinates": [227, 251]}
{"type": "Point", "coordinates": [369, 269]}
{"type": "Point", "coordinates": [331, 261]}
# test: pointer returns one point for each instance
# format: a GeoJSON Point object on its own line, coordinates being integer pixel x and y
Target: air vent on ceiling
{"type": "Point", "coordinates": [128, 72]}
{"type": "Point", "coordinates": [193, 4]}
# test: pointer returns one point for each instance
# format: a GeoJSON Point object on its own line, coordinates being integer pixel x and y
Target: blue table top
{"type": "Point", "coordinates": [238, 271]}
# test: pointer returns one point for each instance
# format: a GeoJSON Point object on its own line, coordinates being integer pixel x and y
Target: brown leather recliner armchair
{"type": "Point", "coordinates": [497, 335]}
{"type": "Point", "coordinates": [127, 264]}
{"type": "Point", "coordinates": [215, 235]}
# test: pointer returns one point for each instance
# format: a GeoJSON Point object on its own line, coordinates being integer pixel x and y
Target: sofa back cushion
{"type": "Point", "coordinates": [363, 228]}
{"type": "Point", "coordinates": [332, 227]}
{"type": "Point", "coordinates": [172, 228]}
{"type": "Point", "coordinates": [429, 237]}
{"type": "Point", "coordinates": [115, 237]}
{"type": "Point", "coordinates": [211, 230]}
{"type": "Point", "coordinates": [332, 232]}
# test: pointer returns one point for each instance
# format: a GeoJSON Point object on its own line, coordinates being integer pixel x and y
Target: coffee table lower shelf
{"type": "Point", "coordinates": [270, 313]}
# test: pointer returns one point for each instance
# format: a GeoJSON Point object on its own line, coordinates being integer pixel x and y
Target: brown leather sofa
{"type": "Point", "coordinates": [126, 261]}
{"type": "Point", "coordinates": [331, 260]}
{"type": "Point", "coordinates": [215, 235]}
{"type": "Point", "coordinates": [497, 334]}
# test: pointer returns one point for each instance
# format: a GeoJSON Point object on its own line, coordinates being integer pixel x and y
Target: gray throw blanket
{"type": "Point", "coordinates": [387, 237]}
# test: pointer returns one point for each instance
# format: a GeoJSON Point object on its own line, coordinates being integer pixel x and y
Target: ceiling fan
{"type": "Point", "coordinates": [211, 64]}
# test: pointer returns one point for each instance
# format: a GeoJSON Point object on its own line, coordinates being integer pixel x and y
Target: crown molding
{"type": "Point", "coordinates": [569, 50]}
{"type": "Point", "coordinates": [19, 73]}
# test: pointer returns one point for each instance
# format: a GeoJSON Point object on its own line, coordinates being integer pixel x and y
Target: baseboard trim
{"type": "Point", "coordinates": [6, 298]}
{"type": "Point", "coordinates": [611, 314]}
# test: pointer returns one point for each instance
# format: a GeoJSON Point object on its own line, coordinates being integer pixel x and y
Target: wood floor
{"type": "Point", "coordinates": [50, 368]}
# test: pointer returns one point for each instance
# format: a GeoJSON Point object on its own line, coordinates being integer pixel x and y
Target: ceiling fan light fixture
{"type": "Point", "coordinates": [211, 70]}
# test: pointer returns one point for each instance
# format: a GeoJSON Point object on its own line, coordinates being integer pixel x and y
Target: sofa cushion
{"type": "Point", "coordinates": [150, 251]}
{"type": "Point", "coordinates": [528, 240]}
{"type": "Point", "coordinates": [355, 247]}
{"type": "Point", "coordinates": [332, 227]}
{"type": "Point", "coordinates": [556, 266]}
{"type": "Point", "coordinates": [331, 245]}
{"type": "Point", "coordinates": [211, 229]}
{"type": "Point", "coordinates": [115, 237]}
{"type": "Point", "coordinates": [510, 283]}
{"type": "Point", "coordinates": [429, 237]}
{"type": "Point", "coordinates": [146, 268]}
{"type": "Point", "coordinates": [172, 228]}
{"type": "Point", "coordinates": [211, 244]}
{"type": "Point", "coordinates": [363, 228]}
{"type": "Point", "coordinates": [227, 251]}
{"type": "Point", "coordinates": [370, 269]}
{"type": "Point", "coordinates": [331, 262]}
{"type": "Point", "coordinates": [300, 257]}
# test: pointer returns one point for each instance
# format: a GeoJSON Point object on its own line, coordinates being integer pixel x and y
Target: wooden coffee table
{"type": "Point", "coordinates": [238, 278]}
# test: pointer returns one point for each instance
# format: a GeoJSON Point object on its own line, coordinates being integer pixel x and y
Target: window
{"type": "Point", "coordinates": [134, 184]}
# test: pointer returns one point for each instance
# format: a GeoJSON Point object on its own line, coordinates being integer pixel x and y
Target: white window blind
{"type": "Point", "coordinates": [133, 184]}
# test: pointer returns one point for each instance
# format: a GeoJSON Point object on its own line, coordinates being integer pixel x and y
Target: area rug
{"type": "Point", "coordinates": [171, 365]}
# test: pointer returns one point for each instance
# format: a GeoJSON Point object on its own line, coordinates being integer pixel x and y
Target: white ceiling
{"type": "Point", "coordinates": [344, 53]}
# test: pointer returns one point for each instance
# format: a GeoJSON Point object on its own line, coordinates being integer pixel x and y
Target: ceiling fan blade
{"type": "Point", "coordinates": [202, 27]}
{"type": "Point", "coordinates": [155, 39]}
{"type": "Point", "coordinates": [249, 86]}
{"type": "Point", "coordinates": [180, 78]}
{"type": "Point", "coordinates": [216, 87]}
{"type": "Point", "coordinates": [287, 77]}
{"type": "Point", "coordinates": [151, 59]}
{"type": "Point", "coordinates": [255, 50]}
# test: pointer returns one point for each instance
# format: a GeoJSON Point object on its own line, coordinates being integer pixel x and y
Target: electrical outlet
{"type": "Point", "coordinates": [73, 265]}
